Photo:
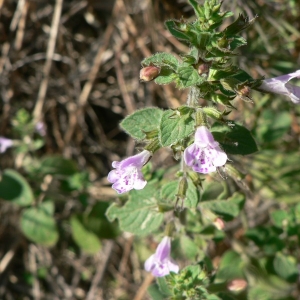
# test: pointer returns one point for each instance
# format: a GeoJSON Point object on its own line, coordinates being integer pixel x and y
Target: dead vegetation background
{"type": "Point", "coordinates": [75, 65]}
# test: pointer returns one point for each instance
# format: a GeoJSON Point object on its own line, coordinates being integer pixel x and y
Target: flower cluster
{"type": "Point", "coordinates": [203, 156]}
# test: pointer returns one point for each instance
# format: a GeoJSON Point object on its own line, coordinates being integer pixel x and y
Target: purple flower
{"type": "Point", "coordinates": [40, 128]}
{"type": "Point", "coordinates": [128, 174]}
{"type": "Point", "coordinates": [205, 154]}
{"type": "Point", "coordinates": [5, 143]}
{"type": "Point", "coordinates": [160, 263]}
{"type": "Point", "coordinates": [280, 85]}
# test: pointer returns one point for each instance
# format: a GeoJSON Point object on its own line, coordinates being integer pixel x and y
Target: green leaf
{"type": "Point", "coordinates": [237, 42]}
{"type": "Point", "coordinates": [273, 126]}
{"type": "Point", "coordinates": [211, 190]}
{"type": "Point", "coordinates": [175, 31]}
{"type": "Point", "coordinates": [86, 240]}
{"type": "Point", "coordinates": [266, 237]}
{"type": "Point", "coordinates": [97, 222]}
{"type": "Point", "coordinates": [161, 60]}
{"type": "Point", "coordinates": [227, 209]}
{"type": "Point", "coordinates": [225, 271]}
{"type": "Point", "coordinates": [155, 293]}
{"type": "Point", "coordinates": [238, 25]}
{"type": "Point", "coordinates": [144, 120]}
{"type": "Point", "coordinates": [163, 286]}
{"type": "Point", "coordinates": [15, 188]}
{"type": "Point", "coordinates": [165, 76]}
{"type": "Point", "coordinates": [235, 139]}
{"type": "Point", "coordinates": [169, 191]}
{"type": "Point", "coordinates": [38, 224]}
{"type": "Point", "coordinates": [140, 214]}
{"type": "Point", "coordinates": [280, 218]}
{"type": "Point", "coordinates": [197, 8]}
{"type": "Point", "coordinates": [57, 165]}
{"type": "Point", "coordinates": [174, 127]}
{"type": "Point", "coordinates": [189, 248]}
{"type": "Point", "coordinates": [188, 76]}
{"type": "Point", "coordinates": [286, 267]}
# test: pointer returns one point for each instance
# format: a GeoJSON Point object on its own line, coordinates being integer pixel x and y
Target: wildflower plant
{"type": "Point", "coordinates": [181, 213]}
{"type": "Point", "coordinates": [200, 134]}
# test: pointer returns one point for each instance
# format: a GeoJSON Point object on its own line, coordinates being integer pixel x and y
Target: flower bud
{"type": "Point", "coordinates": [245, 91]}
{"type": "Point", "coordinates": [183, 185]}
{"type": "Point", "coordinates": [200, 118]}
{"type": "Point", "coordinates": [237, 285]}
{"type": "Point", "coordinates": [203, 68]}
{"type": "Point", "coordinates": [149, 73]}
{"type": "Point", "coordinates": [219, 223]}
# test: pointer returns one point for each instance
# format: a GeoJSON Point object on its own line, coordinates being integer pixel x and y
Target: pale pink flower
{"type": "Point", "coordinates": [280, 85]}
{"type": "Point", "coordinates": [5, 144]}
{"type": "Point", "coordinates": [128, 174]}
{"type": "Point", "coordinates": [160, 263]}
{"type": "Point", "coordinates": [205, 154]}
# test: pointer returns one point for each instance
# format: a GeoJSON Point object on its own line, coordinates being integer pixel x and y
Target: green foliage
{"type": "Point", "coordinates": [234, 138]}
{"type": "Point", "coordinates": [140, 215]}
{"type": "Point", "coordinates": [273, 125]}
{"type": "Point", "coordinates": [168, 192]}
{"type": "Point", "coordinates": [38, 224]}
{"type": "Point", "coordinates": [227, 209]}
{"type": "Point", "coordinates": [175, 127]}
{"type": "Point", "coordinates": [161, 59]}
{"type": "Point", "coordinates": [188, 76]}
{"type": "Point", "coordinates": [57, 165]}
{"type": "Point", "coordinates": [286, 267]}
{"type": "Point", "coordinates": [142, 121]}
{"type": "Point", "coordinates": [15, 188]}
{"type": "Point", "coordinates": [86, 240]}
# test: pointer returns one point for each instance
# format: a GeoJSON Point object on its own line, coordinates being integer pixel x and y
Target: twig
{"type": "Point", "coordinates": [143, 289]}
{"type": "Point", "coordinates": [50, 51]}
{"type": "Point", "coordinates": [106, 252]}
{"type": "Point", "coordinates": [33, 269]}
{"type": "Point", "coordinates": [21, 26]}
{"type": "Point", "coordinates": [8, 256]}
{"type": "Point", "coordinates": [127, 99]}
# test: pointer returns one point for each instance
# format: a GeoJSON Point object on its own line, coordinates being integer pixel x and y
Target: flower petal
{"type": "Point", "coordinates": [204, 168]}
{"type": "Point", "coordinates": [163, 249]}
{"type": "Point", "coordinates": [172, 266]}
{"type": "Point", "coordinates": [280, 85]}
{"type": "Point", "coordinates": [150, 263]}
{"type": "Point", "coordinates": [160, 270]}
{"type": "Point", "coordinates": [203, 136]}
{"type": "Point", "coordinates": [294, 93]}
{"type": "Point", "coordinates": [137, 160]}
{"type": "Point", "coordinates": [190, 153]}
{"type": "Point", "coordinates": [113, 176]}
{"type": "Point", "coordinates": [121, 187]}
{"type": "Point", "coordinates": [139, 184]}
{"type": "Point", "coordinates": [220, 157]}
{"type": "Point", "coordinates": [5, 143]}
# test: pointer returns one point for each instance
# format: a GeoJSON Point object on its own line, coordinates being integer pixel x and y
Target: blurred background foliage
{"type": "Point", "coordinates": [74, 65]}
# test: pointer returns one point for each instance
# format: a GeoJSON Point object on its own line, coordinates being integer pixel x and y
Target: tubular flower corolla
{"type": "Point", "coordinates": [160, 263]}
{"type": "Point", "coordinates": [5, 143]}
{"type": "Point", "coordinates": [205, 154]}
{"type": "Point", "coordinates": [280, 85]}
{"type": "Point", "coordinates": [127, 174]}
